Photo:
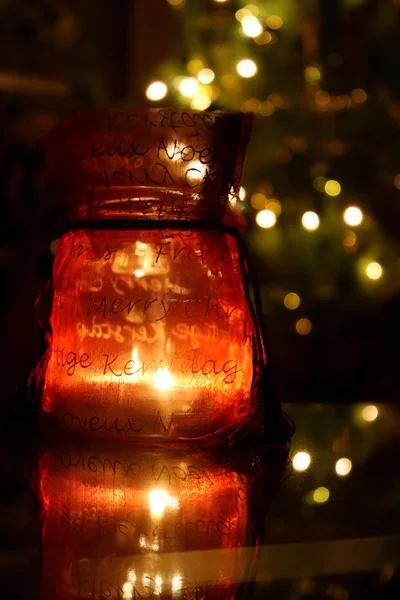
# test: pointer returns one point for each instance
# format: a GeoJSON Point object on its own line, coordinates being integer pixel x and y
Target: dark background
{"type": "Point", "coordinates": [58, 57]}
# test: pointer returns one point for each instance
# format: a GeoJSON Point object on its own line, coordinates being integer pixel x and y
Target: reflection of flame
{"type": "Point", "coordinates": [176, 583]}
{"type": "Point", "coordinates": [158, 582]}
{"type": "Point", "coordinates": [139, 273]}
{"type": "Point", "coordinates": [159, 500]}
{"type": "Point", "coordinates": [163, 379]}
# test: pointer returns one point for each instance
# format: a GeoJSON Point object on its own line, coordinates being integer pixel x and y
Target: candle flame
{"type": "Point", "coordinates": [163, 379]}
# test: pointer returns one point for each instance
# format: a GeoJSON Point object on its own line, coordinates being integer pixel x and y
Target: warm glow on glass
{"type": "Point", "coordinates": [266, 219]}
{"type": "Point", "coordinates": [301, 461]}
{"type": "Point", "coordinates": [310, 220]}
{"type": "Point", "coordinates": [321, 495]}
{"type": "Point", "coordinates": [206, 76]}
{"type": "Point", "coordinates": [397, 181]}
{"type": "Point", "coordinates": [201, 101]}
{"type": "Point", "coordinates": [163, 379]}
{"type": "Point", "coordinates": [139, 273]}
{"type": "Point", "coordinates": [189, 87]}
{"type": "Point", "coordinates": [303, 326]}
{"type": "Point", "coordinates": [159, 500]}
{"type": "Point", "coordinates": [127, 590]}
{"type": "Point", "coordinates": [177, 3]}
{"type": "Point", "coordinates": [353, 216]}
{"type": "Point", "coordinates": [291, 301]}
{"type": "Point", "coordinates": [251, 26]}
{"type": "Point", "coordinates": [374, 270]}
{"type": "Point", "coordinates": [242, 193]}
{"type": "Point", "coordinates": [312, 74]}
{"type": "Point", "coordinates": [156, 90]}
{"type": "Point", "coordinates": [343, 466]}
{"type": "Point", "coordinates": [131, 576]}
{"type": "Point", "coordinates": [369, 413]}
{"type": "Point", "coordinates": [332, 187]}
{"type": "Point", "coordinates": [158, 585]}
{"type": "Point", "coordinates": [246, 68]}
{"type": "Point", "coordinates": [176, 583]}
{"type": "Point", "coordinates": [274, 22]}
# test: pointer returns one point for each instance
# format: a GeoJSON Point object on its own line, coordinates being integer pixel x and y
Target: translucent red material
{"type": "Point", "coordinates": [142, 525]}
{"type": "Point", "coordinates": [153, 334]}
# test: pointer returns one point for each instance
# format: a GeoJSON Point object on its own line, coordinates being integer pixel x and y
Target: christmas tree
{"type": "Point", "coordinates": [321, 181]}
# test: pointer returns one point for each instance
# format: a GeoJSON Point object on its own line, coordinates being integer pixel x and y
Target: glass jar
{"type": "Point", "coordinates": [153, 335]}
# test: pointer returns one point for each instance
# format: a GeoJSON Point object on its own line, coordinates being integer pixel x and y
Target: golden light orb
{"type": "Point", "coordinates": [353, 216]}
{"type": "Point", "coordinates": [265, 219]}
{"type": "Point", "coordinates": [246, 68]}
{"type": "Point", "coordinates": [157, 90]}
{"type": "Point", "coordinates": [310, 220]}
{"type": "Point", "coordinates": [291, 301]}
{"type": "Point", "coordinates": [301, 461]}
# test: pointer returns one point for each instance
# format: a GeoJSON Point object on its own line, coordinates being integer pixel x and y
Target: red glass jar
{"type": "Point", "coordinates": [153, 336]}
{"type": "Point", "coordinates": [142, 524]}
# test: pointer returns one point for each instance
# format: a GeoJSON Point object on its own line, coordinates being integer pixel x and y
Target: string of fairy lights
{"type": "Point", "coordinates": [202, 86]}
{"type": "Point", "coordinates": [302, 460]}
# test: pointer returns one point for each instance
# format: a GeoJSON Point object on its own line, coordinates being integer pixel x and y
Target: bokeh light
{"type": "Point", "coordinates": [319, 183]}
{"type": "Point", "coordinates": [303, 326]}
{"type": "Point", "coordinates": [275, 206]}
{"type": "Point", "coordinates": [265, 219]}
{"type": "Point", "coordinates": [258, 201]}
{"type": "Point", "coordinates": [370, 413]}
{"type": "Point", "coordinates": [274, 22]}
{"type": "Point", "coordinates": [291, 301]}
{"type": "Point", "coordinates": [358, 95]}
{"type": "Point", "coordinates": [156, 90]}
{"type": "Point", "coordinates": [312, 74]}
{"type": "Point", "coordinates": [251, 26]}
{"type": "Point", "coordinates": [201, 101]}
{"type": "Point", "coordinates": [343, 466]}
{"type": "Point", "coordinates": [350, 242]}
{"type": "Point", "coordinates": [321, 495]}
{"type": "Point", "coordinates": [374, 270]}
{"type": "Point", "coordinates": [246, 68]}
{"type": "Point", "coordinates": [332, 187]}
{"type": "Point", "coordinates": [301, 461]}
{"type": "Point", "coordinates": [242, 13]}
{"type": "Point", "coordinates": [353, 216]}
{"type": "Point", "coordinates": [206, 75]}
{"type": "Point", "coordinates": [310, 220]}
{"type": "Point", "coordinates": [189, 87]}
{"type": "Point", "coordinates": [54, 245]}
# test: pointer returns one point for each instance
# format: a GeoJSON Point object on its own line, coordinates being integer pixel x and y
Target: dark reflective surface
{"type": "Point", "coordinates": [185, 526]}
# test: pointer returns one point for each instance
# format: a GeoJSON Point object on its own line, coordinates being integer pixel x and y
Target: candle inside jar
{"type": "Point", "coordinates": [163, 379]}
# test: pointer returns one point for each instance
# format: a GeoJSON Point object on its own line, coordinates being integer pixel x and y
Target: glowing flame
{"type": "Point", "coordinates": [163, 379]}
{"type": "Point", "coordinates": [159, 500]}
{"type": "Point", "coordinates": [135, 358]}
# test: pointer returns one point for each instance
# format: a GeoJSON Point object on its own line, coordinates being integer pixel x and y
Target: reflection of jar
{"type": "Point", "coordinates": [153, 335]}
{"type": "Point", "coordinates": [142, 524]}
